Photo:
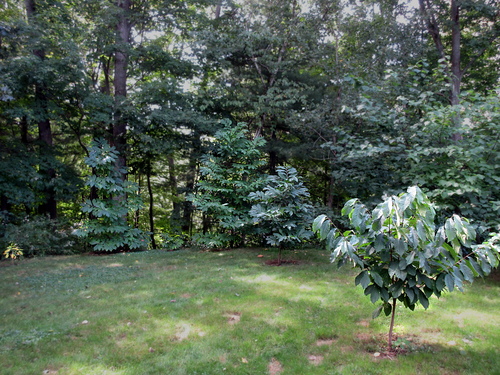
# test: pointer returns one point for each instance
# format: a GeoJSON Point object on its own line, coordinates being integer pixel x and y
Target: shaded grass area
{"type": "Point", "coordinates": [191, 312]}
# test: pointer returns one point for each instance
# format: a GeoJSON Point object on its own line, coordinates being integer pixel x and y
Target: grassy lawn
{"type": "Point", "coordinates": [190, 312]}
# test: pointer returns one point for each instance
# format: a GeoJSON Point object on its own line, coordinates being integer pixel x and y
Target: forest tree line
{"type": "Point", "coordinates": [156, 123]}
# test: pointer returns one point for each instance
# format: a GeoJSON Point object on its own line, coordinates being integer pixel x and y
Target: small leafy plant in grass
{"type": "Point", "coordinates": [402, 255]}
{"type": "Point", "coordinates": [13, 252]}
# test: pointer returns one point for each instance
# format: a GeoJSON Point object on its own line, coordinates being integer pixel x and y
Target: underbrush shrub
{"type": "Point", "coordinates": [39, 236]}
{"type": "Point", "coordinates": [172, 242]}
{"type": "Point", "coordinates": [211, 241]}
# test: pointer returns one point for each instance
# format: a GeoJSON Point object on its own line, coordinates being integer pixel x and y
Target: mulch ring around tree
{"type": "Point", "coordinates": [400, 346]}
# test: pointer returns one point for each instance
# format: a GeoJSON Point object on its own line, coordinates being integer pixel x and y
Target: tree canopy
{"type": "Point", "coordinates": [360, 98]}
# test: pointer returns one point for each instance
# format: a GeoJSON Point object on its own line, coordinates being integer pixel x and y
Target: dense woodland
{"type": "Point", "coordinates": [156, 124]}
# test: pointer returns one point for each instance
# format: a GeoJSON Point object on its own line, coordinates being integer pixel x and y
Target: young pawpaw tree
{"type": "Point", "coordinates": [402, 255]}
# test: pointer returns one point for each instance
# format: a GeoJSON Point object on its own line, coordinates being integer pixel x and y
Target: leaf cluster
{"type": "Point", "coordinates": [402, 254]}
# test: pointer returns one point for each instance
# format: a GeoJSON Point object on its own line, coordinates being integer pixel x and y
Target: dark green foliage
{"type": "Point", "coordinates": [460, 176]}
{"type": "Point", "coordinates": [229, 173]}
{"type": "Point", "coordinates": [282, 211]}
{"type": "Point", "coordinates": [39, 236]}
{"type": "Point", "coordinates": [23, 186]}
{"type": "Point", "coordinates": [172, 242]}
{"type": "Point", "coordinates": [311, 78]}
{"type": "Point", "coordinates": [107, 229]}
{"type": "Point", "coordinates": [409, 139]}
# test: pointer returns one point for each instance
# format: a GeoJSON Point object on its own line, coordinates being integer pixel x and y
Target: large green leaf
{"type": "Point", "coordinates": [422, 298]}
{"type": "Point", "coordinates": [363, 278]}
{"type": "Point", "coordinates": [449, 281]}
{"type": "Point", "coordinates": [377, 278]}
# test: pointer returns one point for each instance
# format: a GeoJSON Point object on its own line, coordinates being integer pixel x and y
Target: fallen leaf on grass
{"type": "Point", "coordinates": [244, 360]}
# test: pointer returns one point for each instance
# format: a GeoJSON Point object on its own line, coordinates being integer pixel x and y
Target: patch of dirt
{"type": "Point", "coordinates": [363, 323]}
{"type": "Point", "coordinates": [315, 360]}
{"type": "Point", "coordinates": [274, 367]}
{"type": "Point", "coordinates": [120, 340]}
{"type": "Point", "coordinates": [385, 355]}
{"type": "Point", "coordinates": [233, 318]}
{"type": "Point", "coordinates": [322, 342]}
{"type": "Point", "coordinates": [346, 349]}
{"type": "Point", "coordinates": [50, 372]}
{"type": "Point", "coordinates": [431, 329]}
{"type": "Point", "coordinates": [183, 332]}
{"type": "Point", "coordinates": [364, 337]}
{"type": "Point", "coordinates": [276, 262]}
{"type": "Point", "coordinates": [401, 346]}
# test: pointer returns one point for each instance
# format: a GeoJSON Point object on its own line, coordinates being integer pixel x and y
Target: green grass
{"type": "Point", "coordinates": [191, 312]}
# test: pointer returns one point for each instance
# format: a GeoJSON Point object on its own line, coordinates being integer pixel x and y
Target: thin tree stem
{"type": "Point", "coordinates": [392, 322]}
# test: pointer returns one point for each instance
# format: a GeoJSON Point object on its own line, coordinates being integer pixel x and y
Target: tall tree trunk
{"type": "Point", "coordinates": [175, 216]}
{"type": "Point", "coordinates": [119, 127]}
{"type": "Point", "coordinates": [455, 53]}
{"type": "Point", "coordinates": [273, 154]}
{"type": "Point", "coordinates": [23, 125]}
{"type": "Point", "coordinates": [454, 69]}
{"type": "Point", "coordinates": [49, 207]}
{"type": "Point", "coordinates": [456, 72]}
{"type": "Point", "coordinates": [151, 204]}
{"type": "Point", "coordinates": [218, 9]}
{"type": "Point", "coordinates": [4, 203]}
{"type": "Point", "coordinates": [329, 189]}
{"type": "Point", "coordinates": [123, 30]}
{"type": "Point", "coordinates": [187, 216]}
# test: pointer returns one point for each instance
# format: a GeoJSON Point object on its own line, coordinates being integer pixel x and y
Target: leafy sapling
{"type": "Point", "coordinates": [402, 255]}
{"type": "Point", "coordinates": [282, 209]}
{"type": "Point", "coordinates": [229, 172]}
{"type": "Point", "coordinates": [107, 228]}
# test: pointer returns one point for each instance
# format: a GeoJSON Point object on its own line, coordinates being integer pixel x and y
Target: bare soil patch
{"type": "Point", "coordinates": [233, 318]}
{"type": "Point", "coordinates": [274, 367]}
{"type": "Point", "coordinates": [315, 360]}
{"type": "Point", "coordinates": [322, 342]}
{"type": "Point", "coordinates": [364, 323]}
